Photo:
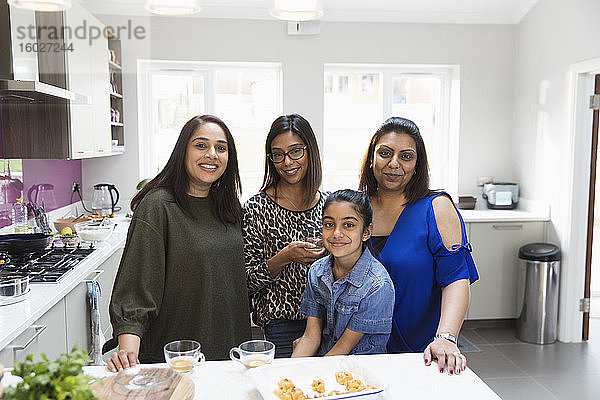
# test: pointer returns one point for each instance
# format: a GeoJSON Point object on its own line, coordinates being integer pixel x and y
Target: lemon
{"type": "Point", "coordinates": [66, 231]}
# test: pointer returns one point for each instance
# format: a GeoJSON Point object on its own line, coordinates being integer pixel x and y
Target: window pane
{"type": "Point", "coordinates": [352, 112]}
{"type": "Point", "coordinates": [248, 112]}
{"type": "Point", "coordinates": [418, 99]}
{"type": "Point", "coordinates": [246, 97]}
{"type": "Point", "coordinates": [175, 99]}
{"type": "Point", "coordinates": [356, 102]}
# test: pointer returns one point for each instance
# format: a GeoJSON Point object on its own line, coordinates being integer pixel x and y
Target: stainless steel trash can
{"type": "Point", "coordinates": [538, 290]}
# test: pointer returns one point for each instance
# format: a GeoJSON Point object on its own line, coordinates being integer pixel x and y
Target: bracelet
{"type": "Point", "coordinates": [447, 336]}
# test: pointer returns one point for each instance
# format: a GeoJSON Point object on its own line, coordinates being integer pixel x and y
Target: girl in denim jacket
{"type": "Point", "coordinates": [349, 297]}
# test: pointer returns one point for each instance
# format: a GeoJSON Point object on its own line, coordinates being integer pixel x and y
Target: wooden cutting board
{"type": "Point", "coordinates": [180, 387]}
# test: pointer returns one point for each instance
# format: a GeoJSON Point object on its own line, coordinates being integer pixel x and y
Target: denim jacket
{"type": "Point", "coordinates": [362, 301]}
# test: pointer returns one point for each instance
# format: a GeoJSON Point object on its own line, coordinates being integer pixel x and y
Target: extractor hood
{"type": "Point", "coordinates": [36, 91]}
{"type": "Point", "coordinates": [26, 73]}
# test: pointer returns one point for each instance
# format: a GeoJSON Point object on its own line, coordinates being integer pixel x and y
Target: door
{"type": "Point", "coordinates": [591, 255]}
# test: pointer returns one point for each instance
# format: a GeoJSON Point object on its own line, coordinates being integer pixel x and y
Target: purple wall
{"type": "Point", "coordinates": [47, 180]}
{"type": "Point", "coordinates": [42, 180]}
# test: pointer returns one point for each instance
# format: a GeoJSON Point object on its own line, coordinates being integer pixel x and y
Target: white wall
{"type": "Point", "coordinates": [485, 54]}
{"type": "Point", "coordinates": [554, 35]}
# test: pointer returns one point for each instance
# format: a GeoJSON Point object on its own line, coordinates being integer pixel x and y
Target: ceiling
{"type": "Point", "coordinates": [418, 11]}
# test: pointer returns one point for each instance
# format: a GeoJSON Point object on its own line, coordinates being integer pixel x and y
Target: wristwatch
{"type": "Point", "coordinates": [447, 336]}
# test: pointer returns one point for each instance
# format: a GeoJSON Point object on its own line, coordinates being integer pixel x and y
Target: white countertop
{"type": "Point", "coordinates": [15, 318]}
{"type": "Point", "coordinates": [406, 375]}
{"type": "Point", "coordinates": [503, 216]}
{"type": "Point", "coordinates": [526, 211]}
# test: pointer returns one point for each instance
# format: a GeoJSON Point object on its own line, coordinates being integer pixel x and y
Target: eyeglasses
{"type": "Point", "coordinates": [294, 154]}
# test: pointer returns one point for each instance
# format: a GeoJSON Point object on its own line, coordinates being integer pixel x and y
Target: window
{"type": "Point", "coordinates": [428, 95]}
{"type": "Point", "coordinates": [246, 96]}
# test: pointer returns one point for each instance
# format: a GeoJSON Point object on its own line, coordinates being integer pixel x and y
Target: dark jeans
{"type": "Point", "coordinates": [283, 332]}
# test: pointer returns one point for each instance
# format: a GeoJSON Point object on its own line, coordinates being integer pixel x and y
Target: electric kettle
{"type": "Point", "coordinates": [103, 201]}
{"type": "Point", "coordinates": [42, 194]}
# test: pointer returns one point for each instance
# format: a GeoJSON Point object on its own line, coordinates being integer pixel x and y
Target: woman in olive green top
{"type": "Point", "coordinates": [182, 272]}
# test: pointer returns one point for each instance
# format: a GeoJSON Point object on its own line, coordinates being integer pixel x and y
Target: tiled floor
{"type": "Point", "coordinates": [518, 370]}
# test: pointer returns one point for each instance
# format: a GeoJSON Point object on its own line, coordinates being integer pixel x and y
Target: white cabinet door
{"type": "Point", "coordinates": [495, 250]}
{"type": "Point", "coordinates": [106, 281]}
{"type": "Point", "coordinates": [52, 341]}
{"type": "Point", "coordinates": [46, 335]}
{"type": "Point", "coordinates": [78, 325]}
{"type": "Point", "coordinates": [79, 77]}
{"type": "Point", "coordinates": [100, 91]}
{"type": "Point", "coordinates": [78, 318]}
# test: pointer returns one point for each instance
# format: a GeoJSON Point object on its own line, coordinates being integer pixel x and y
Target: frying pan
{"type": "Point", "coordinates": [24, 242]}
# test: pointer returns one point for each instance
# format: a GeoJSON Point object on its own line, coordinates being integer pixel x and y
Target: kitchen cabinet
{"type": "Point", "coordinates": [78, 315]}
{"type": "Point", "coordinates": [61, 128]}
{"type": "Point", "coordinates": [106, 281]}
{"type": "Point", "coordinates": [67, 323]}
{"type": "Point", "coordinates": [46, 335]}
{"type": "Point", "coordinates": [78, 326]}
{"type": "Point", "coordinates": [495, 251]}
{"type": "Point", "coordinates": [116, 94]}
{"type": "Point", "coordinates": [87, 72]}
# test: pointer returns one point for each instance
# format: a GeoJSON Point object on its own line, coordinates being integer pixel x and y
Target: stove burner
{"type": "Point", "coordinates": [47, 266]}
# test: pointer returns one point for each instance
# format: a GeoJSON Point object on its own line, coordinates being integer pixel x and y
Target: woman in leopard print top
{"type": "Point", "coordinates": [277, 225]}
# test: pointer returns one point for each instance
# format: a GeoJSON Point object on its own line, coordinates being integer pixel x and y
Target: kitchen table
{"type": "Point", "coordinates": [406, 374]}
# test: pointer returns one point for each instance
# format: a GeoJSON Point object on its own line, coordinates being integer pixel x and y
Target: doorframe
{"type": "Point", "coordinates": [574, 247]}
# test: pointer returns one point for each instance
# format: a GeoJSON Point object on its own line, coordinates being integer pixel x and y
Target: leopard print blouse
{"type": "Point", "coordinates": [267, 229]}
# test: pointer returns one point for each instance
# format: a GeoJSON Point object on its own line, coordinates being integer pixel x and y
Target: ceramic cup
{"type": "Point", "coordinates": [253, 353]}
{"type": "Point", "coordinates": [182, 355]}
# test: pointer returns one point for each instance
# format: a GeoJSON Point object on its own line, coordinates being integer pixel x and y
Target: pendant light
{"type": "Point", "coordinates": [41, 5]}
{"type": "Point", "coordinates": [173, 7]}
{"type": "Point", "coordinates": [297, 10]}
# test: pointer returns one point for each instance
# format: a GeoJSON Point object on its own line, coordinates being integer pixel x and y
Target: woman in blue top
{"type": "Point", "coordinates": [420, 238]}
{"type": "Point", "coordinates": [349, 296]}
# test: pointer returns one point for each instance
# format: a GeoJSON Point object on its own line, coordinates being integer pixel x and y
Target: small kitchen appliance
{"type": "Point", "coordinates": [42, 194]}
{"type": "Point", "coordinates": [103, 200]}
{"type": "Point", "coordinates": [501, 195]}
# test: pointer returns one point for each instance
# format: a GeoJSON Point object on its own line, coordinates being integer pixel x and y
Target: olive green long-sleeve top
{"type": "Point", "coordinates": [180, 278]}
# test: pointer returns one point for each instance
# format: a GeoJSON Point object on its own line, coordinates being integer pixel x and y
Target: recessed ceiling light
{"type": "Point", "coordinates": [297, 10]}
{"type": "Point", "coordinates": [173, 7]}
{"type": "Point", "coordinates": [41, 5]}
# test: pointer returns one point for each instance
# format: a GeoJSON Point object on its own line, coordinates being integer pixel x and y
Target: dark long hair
{"type": "Point", "coordinates": [418, 186]}
{"type": "Point", "coordinates": [224, 192]}
{"type": "Point", "coordinates": [300, 126]}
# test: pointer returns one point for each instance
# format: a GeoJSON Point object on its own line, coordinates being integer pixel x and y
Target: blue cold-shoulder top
{"type": "Point", "coordinates": [420, 265]}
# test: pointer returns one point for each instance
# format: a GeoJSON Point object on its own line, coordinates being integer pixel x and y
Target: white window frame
{"type": "Point", "coordinates": [146, 68]}
{"type": "Point", "coordinates": [449, 103]}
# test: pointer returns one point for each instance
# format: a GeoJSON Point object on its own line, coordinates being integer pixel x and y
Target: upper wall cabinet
{"type": "Point", "coordinates": [34, 127]}
{"type": "Point", "coordinates": [87, 72]}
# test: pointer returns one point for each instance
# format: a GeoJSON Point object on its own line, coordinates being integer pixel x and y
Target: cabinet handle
{"type": "Point", "coordinates": [38, 331]}
{"type": "Point", "coordinates": [514, 227]}
{"type": "Point", "coordinates": [97, 274]}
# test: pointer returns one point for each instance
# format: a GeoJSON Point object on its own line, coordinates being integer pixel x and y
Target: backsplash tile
{"type": "Point", "coordinates": [37, 180]}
